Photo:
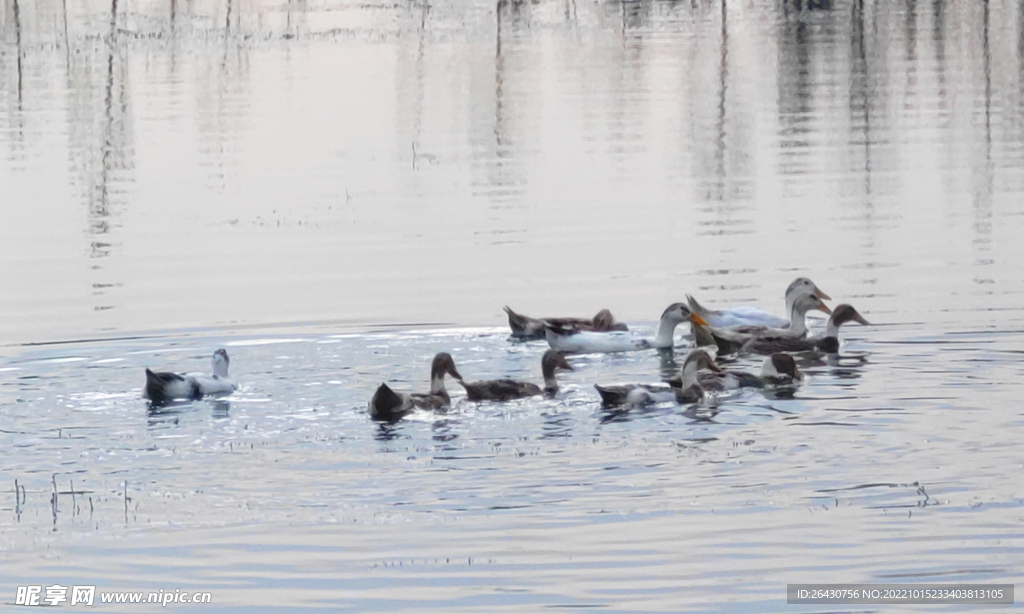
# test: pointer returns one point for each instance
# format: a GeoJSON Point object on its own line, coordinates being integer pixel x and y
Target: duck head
{"type": "Point", "coordinates": [808, 302]}
{"type": "Point", "coordinates": [843, 313]}
{"type": "Point", "coordinates": [221, 363]}
{"type": "Point", "coordinates": [605, 321]}
{"type": "Point", "coordinates": [678, 313]}
{"type": "Point", "coordinates": [802, 285]}
{"type": "Point", "coordinates": [675, 314]}
{"type": "Point", "coordinates": [780, 366]}
{"type": "Point", "coordinates": [443, 363]}
{"type": "Point", "coordinates": [551, 362]}
{"type": "Point", "coordinates": [695, 361]}
{"type": "Point", "coordinates": [846, 313]}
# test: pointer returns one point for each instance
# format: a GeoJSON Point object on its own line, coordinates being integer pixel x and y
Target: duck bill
{"type": "Point", "coordinates": [860, 319]}
{"type": "Point", "coordinates": [454, 373]}
{"type": "Point", "coordinates": [714, 366]}
{"type": "Point", "coordinates": [818, 293]}
{"type": "Point", "coordinates": [825, 308]}
{"type": "Point", "coordinates": [696, 319]}
{"type": "Point", "coordinates": [797, 374]}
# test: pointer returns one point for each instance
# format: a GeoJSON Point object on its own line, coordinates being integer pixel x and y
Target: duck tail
{"type": "Point", "coordinates": [611, 396]}
{"type": "Point", "coordinates": [697, 308]}
{"type": "Point", "coordinates": [154, 390]}
{"type": "Point", "coordinates": [384, 403]}
{"type": "Point", "coordinates": [728, 346]}
{"type": "Point", "coordinates": [517, 322]}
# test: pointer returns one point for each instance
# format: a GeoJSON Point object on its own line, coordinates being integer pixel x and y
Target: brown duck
{"type": "Point", "coordinates": [509, 389]}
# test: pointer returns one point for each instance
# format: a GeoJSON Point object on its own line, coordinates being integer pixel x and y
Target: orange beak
{"type": "Point", "coordinates": [825, 308]}
{"type": "Point", "coordinates": [696, 319]}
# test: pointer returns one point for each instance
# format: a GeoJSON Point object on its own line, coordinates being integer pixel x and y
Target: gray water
{"type": "Point", "coordinates": [335, 192]}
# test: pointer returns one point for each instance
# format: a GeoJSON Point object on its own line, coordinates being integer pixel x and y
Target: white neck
{"type": "Point", "coordinates": [832, 330]}
{"type": "Point", "coordinates": [549, 381]}
{"type": "Point", "coordinates": [666, 331]}
{"type": "Point", "coordinates": [689, 374]}
{"type": "Point", "coordinates": [768, 368]}
{"type": "Point", "coordinates": [797, 320]}
{"type": "Point", "coordinates": [220, 368]}
{"type": "Point", "coordinates": [437, 384]}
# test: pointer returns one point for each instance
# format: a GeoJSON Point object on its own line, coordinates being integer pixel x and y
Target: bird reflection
{"type": "Point", "coordinates": [388, 431]}
{"type": "Point", "coordinates": [668, 368]}
{"type": "Point", "coordinates": [220, 408]}
{"type": "Point", "coordinates": [556, 425]}
{"type": "Point", "coordinates": [443, 434]}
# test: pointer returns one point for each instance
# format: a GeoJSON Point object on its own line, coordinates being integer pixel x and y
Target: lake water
{"type": "Point", "coordinates": [336, 191]}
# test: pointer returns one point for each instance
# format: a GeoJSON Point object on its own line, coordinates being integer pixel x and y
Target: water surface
{"type": "Point", "coordinates": [336, 192]}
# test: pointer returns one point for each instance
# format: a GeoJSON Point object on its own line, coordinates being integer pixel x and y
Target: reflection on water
{"type": "Point", "coordinates": [180, 175]}
{"type": "Point", "coordinates": [558, 501]}
{"type": "Point", "coordinates": [286, 162]}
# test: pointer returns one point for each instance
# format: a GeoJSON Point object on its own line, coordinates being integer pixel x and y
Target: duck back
{"type": "Point", "coordinates": [500, 390]}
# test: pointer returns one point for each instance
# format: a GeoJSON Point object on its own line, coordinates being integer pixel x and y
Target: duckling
{"type": "Point", "coordinates": [509, 389]}
{"type": "Point", "coordinates": [525, 327]}
{"type": "Point", "coordinates": [388, 405]}
{"type": "Point", "coordinates": [731, 340]}
{"type": "Point", "coordinates": [572, 341]}
{"type": "Point", "coordinates": [744, 315]}
{"type": "Point", "coordinates": [777, 370]}
{"type": "Point", "coordinates": [827, 343]}
{"type": "Point", "coordinates": [165, 386]}
{"type": "Point", "coordinates": [689, 389]}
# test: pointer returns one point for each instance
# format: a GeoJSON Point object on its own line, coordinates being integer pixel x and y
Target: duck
{"type": "Point", "coordinates": [572, 341]}
{"type": "Point", "coordinates": [689, 389]}
{"type": "Point", "coordinates": [731, 340]}
{"type": "Point", "coordinates": [510, 389]}
{"type": "Point", "coordinates": [778, 369]}
{"type": "Point", "coordinates": [525, 327]}
{"type": "Point", "coordinates": [826, 343]}
{"type": "Point", "coordinates": [166, 386]}
{"type": "Point", "coordinates": [390, 406]}
{"type": "Point", "coordinates": [745, 315]}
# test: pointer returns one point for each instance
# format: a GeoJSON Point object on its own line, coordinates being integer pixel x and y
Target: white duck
{"type": "Point", "coordinates": [572, 341]}
{"type": "Point", "coordinates": [169, 386]}
{"type": "Point", "coordinates": [744, 315]}
{"type": "Point", "coordinates": [797, 326]}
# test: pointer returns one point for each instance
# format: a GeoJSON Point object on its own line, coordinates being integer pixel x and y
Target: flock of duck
{"type": "Point", "coordinates": [734, 331]}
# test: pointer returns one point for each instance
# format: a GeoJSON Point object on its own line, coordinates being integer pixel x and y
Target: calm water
{"type": "Point", "coordinates": [336, 191]}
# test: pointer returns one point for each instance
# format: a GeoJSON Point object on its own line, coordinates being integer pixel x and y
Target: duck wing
{"type": "Point", "coordinates": [770, 345]}
{"type": "Point", "coordinates": [500, 390]}
{"type": "Point", "coordinates": [619, 394]}
{"type": "Point", "coordinates": [735, 316]}
{"type": "Point", "coordinates": [585, 342]}
{"type": "Point", "coordinates": [214, 384]}
{"type": "Point", "coordinates": [524, 326]}
{"type": "Point", "coordinates": [746, 316]}
{"type": "Point", "coordinates": [729, 380]}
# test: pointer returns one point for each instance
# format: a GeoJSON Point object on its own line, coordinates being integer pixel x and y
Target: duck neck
{"type": "Point", "coordinates": [550, 383]}
{"type": "Point", "coordinates": [790, 299]}
{"type": "Point", "coordinates": [666, 331]}
{"type": "Point", "coordinates": [797, 320]}
{"type": "Point", "coordinates": [832, 330]}
{"type": "Point", "coordinates": [437, 384]}
{"type": "Point", "coordinates": [689, 375]}
{"type": "Point", "coordinates": [220, 369]}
